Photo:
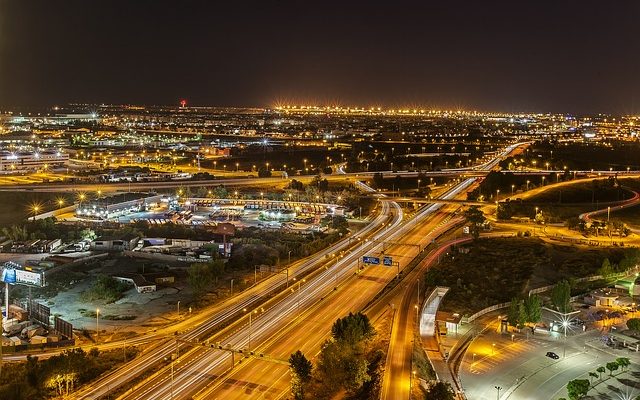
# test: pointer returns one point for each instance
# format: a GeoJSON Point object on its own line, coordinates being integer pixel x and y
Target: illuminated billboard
{"type": "Point", "coordinates": [13, 274]}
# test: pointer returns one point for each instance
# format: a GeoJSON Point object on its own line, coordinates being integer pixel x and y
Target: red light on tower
{"type": "Point", "coordinates": [183, 103]}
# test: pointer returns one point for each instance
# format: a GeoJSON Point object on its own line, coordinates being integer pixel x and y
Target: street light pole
{"type": "Point", "coordinates": [97, 327]}
{"type": "Point", "coordinates": [172, 378]}
{"type": "Point", "coordinates": [498, 388]}
{"type": "Point", "coordinates": [178, 308]}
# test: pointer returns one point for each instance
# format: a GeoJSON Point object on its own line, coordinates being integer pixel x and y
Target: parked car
{"type": "Point", "coordinates": [553, 355]}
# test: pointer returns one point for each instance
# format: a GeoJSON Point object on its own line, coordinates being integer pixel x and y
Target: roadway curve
{"type": "Point", "coordinates": [635, 200]}
{"type": "Point", "coordinates": [309, 335]}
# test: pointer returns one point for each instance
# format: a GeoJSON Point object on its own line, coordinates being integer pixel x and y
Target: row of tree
{"type": "Point", "coordinates": [58, 375]}
{"type": "Point", "coordinates": [579, 388]}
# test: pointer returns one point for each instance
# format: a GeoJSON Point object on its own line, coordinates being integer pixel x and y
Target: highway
{"type": "Point", "coordinates": [199, 364]}
{"type": "Point", "coordinates": [397, 378]}
{"type": "Point", "coordinates": [197, 327]}
{"type": "Point", "coordinates": [261, 379]}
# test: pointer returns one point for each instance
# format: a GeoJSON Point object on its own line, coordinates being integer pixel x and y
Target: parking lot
{"type": "Point", "coordinates": [518, 364]}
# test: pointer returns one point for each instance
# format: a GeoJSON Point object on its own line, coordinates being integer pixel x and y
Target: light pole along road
{"type": "Point", "coordinates": [397, 378]}
{"type": "Point", "coordinates": [212, 359]}
{"type": "Point", "coordinates": [260, 379]}
{"type": "Point", "coordinates": [198, 369]}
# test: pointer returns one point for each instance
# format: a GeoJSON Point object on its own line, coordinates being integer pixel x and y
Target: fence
{"type": "Point", "coordinates": [56, 212]}
{"type": "Point", "coordinates": [486, 310]}
{"type": "Point", "coordinates": [536, 291]}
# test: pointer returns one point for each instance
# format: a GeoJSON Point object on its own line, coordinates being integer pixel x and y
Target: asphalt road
{"type": "Point", "coordinates": [522, 370]}
{"type": "Point", "coordinates": [193, 371]}
{"type": "Point", "coordinates": [199, 364]}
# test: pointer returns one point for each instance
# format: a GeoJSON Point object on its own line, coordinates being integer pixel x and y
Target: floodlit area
{"type": "Point", "coordinates": [162, 209]}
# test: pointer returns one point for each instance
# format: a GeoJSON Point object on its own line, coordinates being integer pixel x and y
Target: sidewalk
{"type": "Point", "coordinates": [439, 350]}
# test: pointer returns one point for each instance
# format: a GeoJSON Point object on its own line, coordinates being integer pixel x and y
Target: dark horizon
{"type": "Point", "coordinates": [572, 57]}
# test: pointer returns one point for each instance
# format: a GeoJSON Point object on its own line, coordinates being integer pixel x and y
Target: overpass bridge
{"type": "Point", "coordinates": [437, 200]}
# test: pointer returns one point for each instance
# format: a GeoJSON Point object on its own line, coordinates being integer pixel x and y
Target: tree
{"type": "Point", "coordinates": [606, 270]}
{"type": "Point", "coordinates": [560, 296]}
{"type": "Point", "coordinates": [623, 362]}
{"type": "Point", "coordinates": [440, 391]}
{"type": "Point", "coordinates": [593, 375]}
{"type": "Point", "coordinates": [634, 324]}
{"type": "Point", "coordinates": [504, 211]}
{"type": "Point", "coordinates": [378, 180]}
{"type": "Point", "coordinates": [330, 365]}
{"type": "Point", "coordinates": [199, 278]}
{"type": "Point", "coordinates": [352, 328]}
{"type": "Point", "coordinates": [476, 218]}
{"type": "Point", "coordinates": [578, 388]}
{"type": "Point", "coordinates": [356, 372]}
{"type": "Point", "coordinates": [88, 234]}
{"type": "Point", "coordinates": [612, 367]}
{"type": "Point", "coordinates": [300, 365]}
{"type": "Point", "coordinates": [600, 370]}
{"type": "Point", "coordinates": [533, 309]}
{"type": "Point", "coordinates": [513, 314]}
{"type": "Point", "coordinates": [220, 192]}
{"type": "Point", "coordinates": [300, 368]}
{"type": "Point", "coordinates": [264, 173]}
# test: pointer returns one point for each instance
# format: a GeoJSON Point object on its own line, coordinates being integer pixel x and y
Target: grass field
{"type": "Point", "coordinates": [561, 203]}
{"type": "Point", "coordinates": [585, 192]}
{"type": "Point", "coordinates": [19, 205]}
{"type": "Point", "coordinates": [496, 270]}
{"type": "Point", "coordinates": [631, 216]}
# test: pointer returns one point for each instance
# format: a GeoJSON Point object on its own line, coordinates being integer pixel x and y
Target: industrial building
{"type": "Point", "coordinates": [21, 161]}
{"type": "Point", "coordinates": [121, 204]}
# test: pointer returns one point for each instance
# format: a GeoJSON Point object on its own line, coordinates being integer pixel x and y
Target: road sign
{"type": "Point", "coordinates": [371, 260]}
{"type": "Point", "coordinates": [387, 261]}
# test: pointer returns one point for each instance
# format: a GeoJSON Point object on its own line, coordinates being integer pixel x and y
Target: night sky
{"type": "Point", "coordinates": [558, 56]}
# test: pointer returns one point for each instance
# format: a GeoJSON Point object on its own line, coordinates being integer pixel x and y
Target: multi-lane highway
{"type": "Point", "coordinates": [397, 378]}
{"type": "Point", "coordinates": [195, 369]}
{"type": "Point", "coordinates": [256, 379]}
{"type": "Point", "coordinates": [198, 327]}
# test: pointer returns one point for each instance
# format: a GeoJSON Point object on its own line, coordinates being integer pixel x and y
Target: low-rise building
{"type": "Point", "coordinates": [126, 242]}
{"type": "Point", "coordinates": [21, 161]}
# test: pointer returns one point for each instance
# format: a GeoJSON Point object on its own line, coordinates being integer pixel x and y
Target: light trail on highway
{"type": "Point", "coordinates": [223, 314]}
{"type": "Point", "coordinates": [190, 373]}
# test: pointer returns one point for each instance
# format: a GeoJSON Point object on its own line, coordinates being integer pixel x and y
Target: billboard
{"type": "Point", "coordinates": [39, 312]}
{"type": "Point", "coordinates": [14, 274]}
{"type": "Point", "coordinates": [63, 327]}
{"type": "Point", "coordinates": [8, 275]}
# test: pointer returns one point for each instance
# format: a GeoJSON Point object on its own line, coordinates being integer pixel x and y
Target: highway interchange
{"type": "Point", "coordinates": [198, 364]}
{"type": "Point", "coordinates": [275, 317]}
